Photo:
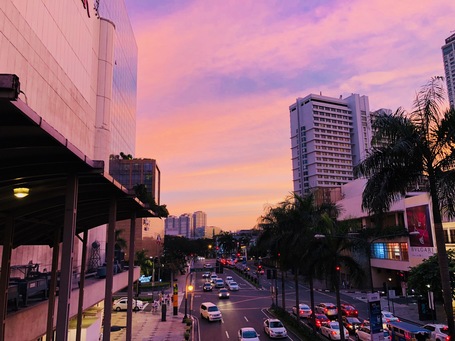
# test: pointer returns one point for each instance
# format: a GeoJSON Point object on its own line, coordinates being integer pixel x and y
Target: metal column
{"type": "Point", "coordinates": [109, 269]}
{"type": "Point", "coordinates": [80, 306]}
{"type": "Point", "coordinates": [4, 277]}
{"type": "Point", "coordinates": [53, 286]}
{"type": "Point", "coordinates": [129, 314]}
{"type": "Point", "coordinates": [69, 230]}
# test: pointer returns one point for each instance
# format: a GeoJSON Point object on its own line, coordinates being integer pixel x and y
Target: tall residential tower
{"type": "Point", "coordinates": [448, 55]}
{"type": "Point", "coordinates": [329, 136]}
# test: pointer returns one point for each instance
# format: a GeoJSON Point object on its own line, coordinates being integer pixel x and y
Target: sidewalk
{"type": "Point", "coordinates": [147, 325]}
{"type": "Point", "coordinates": [405, 309]}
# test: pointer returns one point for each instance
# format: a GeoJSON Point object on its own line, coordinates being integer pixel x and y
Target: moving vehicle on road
{"type": "Point", "coordinates": [304, 310]}
{"type": "Point", "coordinates": [319, 319]}
{"type": "Point", "coordinates": [223, 293]}
{"type": "Point", "coordinates": [331, 330]}
{"type": "Point", "coordinates": [210, 312]}
{"type": "Point", "coordinates": [248, 334]}
{"type": "Point", "coordinates": [207, 286]}
{"type": "Point", "coordinates": [122, 304]}
{"type": "Point", "coordinates": [387, 317]}
{"type": "Point", "coordinates": [351, 323]}
{"type": "Point", "coordinates": [228, 279]}
{"type": "Point", "coordinates": [438, 332]}
{"type": "Point", "coordinates": [219, 283]}
{"type": "Point", "coordinates": [329, 309]}
{"type": "Point", "coordinates": [349, 310]}
{"type": "Point", "coordinates": [233, 286]}
{"type": "Point", "coordinates": [403, 331]}
{"type": "Point", "coordinates": [274, 328]}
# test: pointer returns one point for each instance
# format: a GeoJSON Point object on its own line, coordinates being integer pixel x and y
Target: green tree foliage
{"type": "Point", "coordinates": [161, 211]}
{"type": "Point", "coordinates": [144, 261]}
{"type": "Point", "coordinates": [408, 147]}
{"type": "Point", "coordinates": [426, 273]}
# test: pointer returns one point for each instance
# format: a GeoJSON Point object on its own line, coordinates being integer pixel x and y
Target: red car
{"type": "Point", "coordinates": [349, 310]}
{"type": "Point", "coordinates": [319, 319]}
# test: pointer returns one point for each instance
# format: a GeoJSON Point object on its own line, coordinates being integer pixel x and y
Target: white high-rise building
{"type": "Point", "coordinates": [199, 220]}
{"type": "Point", "coordinates": [329, 136]}
{"type": "Point", "coordinates": [448, 55]}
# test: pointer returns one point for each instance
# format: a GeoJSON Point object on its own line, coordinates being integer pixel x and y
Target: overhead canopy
{"type": "Point", "coordinates": [34, 155]}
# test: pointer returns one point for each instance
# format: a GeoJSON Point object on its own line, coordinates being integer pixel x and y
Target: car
{"type": "Point", "coordinates": [228, 279]}
{"type": "Point", "coordinates": [207, 286]}
{"type": "Point", "coordinates": [331, 330]}
{"type": "Point", "coordinates": [247, 334]}
{"type": "Point", "coordinates": [363, 333]}
{"type": "Point", "coordinates": [274, 328]}
{"type": "Point", "coordinates": [219, 283]}
{"type": "Point", "coordinates": [213, 277]}
{"type": "Point", "coordinates": [206, 265]}
{"type": "Point", "coordinates": [223, 293]}
{"type": "Point", "coordinates": [349, 310]}
{"type": "Point", "coordinates": [329, 309]}
{"type": "Point", "coordinates": [351, 323]}
{"type": "Point", "coordinates": [387, 317]}
{"type": "Point", "coordinates": [438, 332]}
{"type": "Point", "coordinates": [319, 319]}
{"type": "Point", "coordinates": [233, 286]}
{"type": "Point", "coordinates": [122, 304]}
{"type": "Point", "coordinates": [304, 310]}
{"type": "Point", "coordinates": [210, 311]}
{"type": "Point", "coordinates": [206, 275]}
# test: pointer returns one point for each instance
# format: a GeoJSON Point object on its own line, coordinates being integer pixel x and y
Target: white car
{"type": "Point", "coordinates": [122, 304]}
{"type": "Point", "coordinates": [210, 312]}
{"type": "Point", "coordinates": [363, 333]}
{"type": "Point", "coordinates": [248, 334]}
{"type": "Point", "coordinates": [328, 309]}
{"type": "Point", "coordinates": [331, 330]}
{"type": "Point", "coordinates": [233, 286]}
{"type": "Point", "coordinates": [438, 332]}
{"type": "Point", "coordinates": [387, 317]}
{"type": "Point", "coordinates": [274, 328]}
{"type": "Point", "coordinates": [228, 279]}
{"type": "Point", "coordinates": [219, 283]}
{"type": "Point", "coordinates": [304, 310]}
{"type": "Point", "coordinates": [213, 277]}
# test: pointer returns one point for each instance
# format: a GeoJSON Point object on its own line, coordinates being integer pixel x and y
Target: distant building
{"type": "Point", "coordinates": [448, 56]}
{"type": "Point", "coordinates": [329, 136]}
{"type": "Point", "coordinates": [188, 225]}
{"type": "Point", "coordinates": [199, 219]}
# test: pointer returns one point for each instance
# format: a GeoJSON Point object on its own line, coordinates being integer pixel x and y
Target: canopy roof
{"type": "Point", "coordinates": [34, 155]}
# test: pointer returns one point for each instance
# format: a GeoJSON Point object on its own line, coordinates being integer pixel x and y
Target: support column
{"type": "Point", "coordinates": [80, 306]}
{"type": "Point", "coordinates": [69, 230]}
{"type": "Point", "coordinates": [109, 269]}
{"type": "Point", "coordinates": [129, 313]}
{"type": "Point", "coordinates": [53, 286]}
{"type": "Point", "coordinates": [4, 277]}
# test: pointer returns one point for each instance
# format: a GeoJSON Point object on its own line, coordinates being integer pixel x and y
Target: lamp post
{"type": "Point", "coordinates": [190, 289]}
{"type": "Point", "coordinates": [387, 289]}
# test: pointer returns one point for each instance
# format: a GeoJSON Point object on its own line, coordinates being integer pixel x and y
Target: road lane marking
{"type": "Point", "coordinates": [227, 334]}
{"type": "Point", "coordinates": [246, 319]}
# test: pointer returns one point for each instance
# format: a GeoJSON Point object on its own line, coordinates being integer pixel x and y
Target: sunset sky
{"type": "Point", "coordinates": [216, 78]}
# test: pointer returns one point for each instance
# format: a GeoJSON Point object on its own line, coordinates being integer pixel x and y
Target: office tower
{"type": "Point", "coordinates": [448, 56]}
{"type": "Point", "coordinates": [199, 220]}
{"type": "Point", "coordinates": [329, 136]}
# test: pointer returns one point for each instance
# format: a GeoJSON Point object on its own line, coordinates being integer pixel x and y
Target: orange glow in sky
{"type": "Point", "coordinates": [216, 78]}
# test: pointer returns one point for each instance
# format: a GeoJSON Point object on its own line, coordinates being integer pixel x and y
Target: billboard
{"type": "Point", "coordinates": [419, 223]}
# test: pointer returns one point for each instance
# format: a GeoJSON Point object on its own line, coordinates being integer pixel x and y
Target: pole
{"type": "Point", "coordinates": [388, 298]}
{"type": "Point", "coordinates": [186, 297]}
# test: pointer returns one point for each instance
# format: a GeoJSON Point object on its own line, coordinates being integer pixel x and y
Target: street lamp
{"type": "Point", "coordinates": [190, 289]}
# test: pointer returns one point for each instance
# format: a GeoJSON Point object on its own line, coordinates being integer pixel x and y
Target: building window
{"type": "Point", "coordinates": [391, 251]}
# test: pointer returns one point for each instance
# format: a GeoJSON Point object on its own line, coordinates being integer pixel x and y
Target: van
{"type": "Point", "coordinates": [403, 331]}
{"type": "Point", "coordinates": [210, 312]}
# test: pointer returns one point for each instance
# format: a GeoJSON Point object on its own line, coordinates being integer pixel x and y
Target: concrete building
{"type": "Point", "coordinates": [448, 56]}
{"type": "Point", "coordinates": [187, 225]}
{"type": "Point", "coordinates": [199, 219]}
{"type": "Point", "coordinates": [329, 136]}
{"type": "Point", "coordinates": [76, 62]}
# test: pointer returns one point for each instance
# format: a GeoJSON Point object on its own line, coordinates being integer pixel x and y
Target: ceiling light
{"type": "Point", "coordinates": [21, 192]}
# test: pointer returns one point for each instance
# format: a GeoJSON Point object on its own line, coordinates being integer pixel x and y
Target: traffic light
{"type": "Point", "coordinates": [337, 268]}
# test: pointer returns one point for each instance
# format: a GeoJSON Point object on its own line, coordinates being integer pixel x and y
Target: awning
{"type": "Point", "coordinates": [34, 155]}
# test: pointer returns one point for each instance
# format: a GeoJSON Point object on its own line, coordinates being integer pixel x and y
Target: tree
{"type": "Point", "coordinates": [120, 242]}
{"type": "Point", "coordinates": [427, 272]}
{"type": "Point", "coordinates": [226, 242]}
{"type": "Point", "coordinates": [140, 190]}
{"type": "Point", "coordinates": [144, 261]}
{"type": "Point", "coordinates": [419, 144]}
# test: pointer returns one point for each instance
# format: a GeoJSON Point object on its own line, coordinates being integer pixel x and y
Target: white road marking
{"type": "Point", "coordinates": [227, 334]}
{"type": "Point", "coordinates": [246, 319]}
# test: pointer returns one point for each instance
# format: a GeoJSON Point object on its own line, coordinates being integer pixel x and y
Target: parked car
{"type": "Point", "coordinates": [122, 304]}
{"type": "Point", "coordinates": [274, 328]}
{"type": "Point", "coordinates": [349, 310]}
{"type": "Point", "coordinates": [319, 319]}
{"type": "Point", "coordinates": [233, 286]}
{"type": "Point", "coordinates": [248, 334]}
{"type": "Point", "coordinates": [351, 323]}
{"type": "Point", "coordinates": [331, 330]}
{"type": "Point", "coordinates": [223, 293]}
{"type": "Point", "coordinates": [438, 332]}
{"type": "Point", "coordinates": [329, 309]}
{"type": "Point", "coordinates": [304, 310]}
{"type": "Point", "coordinates": [207, 286]}
{"type": "Point", "coordinates": [209, 311]}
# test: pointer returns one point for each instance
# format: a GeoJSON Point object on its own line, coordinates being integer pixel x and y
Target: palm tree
{"type": "Point", "coordinates": [419, 144]}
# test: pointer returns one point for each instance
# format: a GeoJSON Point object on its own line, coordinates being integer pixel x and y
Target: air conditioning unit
{"type": "Point", "coordinates": [9, 86]}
